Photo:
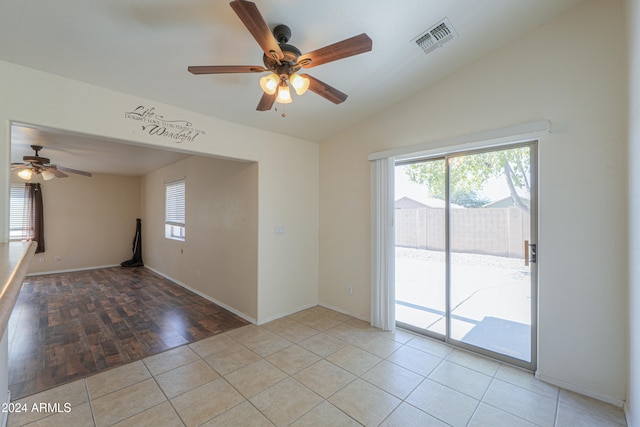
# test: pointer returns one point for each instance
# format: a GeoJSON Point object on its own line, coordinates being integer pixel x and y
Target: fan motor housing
{"type": "Point", "coordinates": [291, 54]}
{"type": "Point", "coordinates": [288, 64]}
{"type": "Point", "coordinates": [36, 159]}
{"type": "Point", "coordinates": [282, 33]}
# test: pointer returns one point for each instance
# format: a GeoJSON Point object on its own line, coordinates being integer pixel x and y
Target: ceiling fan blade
{"type": "Point", "coordinates": [266, 102]}
{"type": "Point", "coordinates": [324, 90]}
{"type": "Point", "coordinates": [252, 19]}
{"type": "Point", "coordinates": [62, 168]}
{"type": "Point", "coordinates": [340, 50]}
{"type": "Point", "coordinates": [54, 170]}
{"type": "Point", "coordinates": [16, 166]}
{"type": "Point", "coordinates": [224, 69]}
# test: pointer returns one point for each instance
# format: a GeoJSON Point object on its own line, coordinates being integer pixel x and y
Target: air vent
{"type": "Point", "coordinates": [435, 36]}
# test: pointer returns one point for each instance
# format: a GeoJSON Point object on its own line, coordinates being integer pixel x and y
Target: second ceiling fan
{"type": "Point", "coordinates": [284, 60]}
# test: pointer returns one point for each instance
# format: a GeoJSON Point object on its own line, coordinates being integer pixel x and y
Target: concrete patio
{"type": "Point", "coordinates": [490, 298]}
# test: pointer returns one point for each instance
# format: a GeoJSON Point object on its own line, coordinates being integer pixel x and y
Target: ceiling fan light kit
{"type": "Point", "coordinates": [300, 84]}
{"type": "Point", "coordinates": [284, 60]}
{"type": "Point", "coordinates": [269, 84]}
{"type": "Point", "coordinates": [47, 175]}
{"type": "Point", "coordinates": [37, 165]}
{"type": "Point", "coordinates": [25, 174]}
{"type": "Point", "coordinates": [284, 95]}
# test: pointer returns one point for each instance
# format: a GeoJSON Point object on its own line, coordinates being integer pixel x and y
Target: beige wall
{"type": "Point", "coordinates": [88, 222]}
{"type": "Point", "coordinates": [568, 71]}
{"type": "Point", "coordinates": [219, 257]}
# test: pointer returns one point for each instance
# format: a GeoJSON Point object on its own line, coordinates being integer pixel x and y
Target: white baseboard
{"type": "Point", "coordinates": [286, 313]}
{"type": "Point", "coordinates": [231, 309]}
{"type": "Point", "coordinates": [343, 311]}
{"type": "Point", "coordinates": [197, 292]}
{"type": "Point", "coordinates": [576, 389]}
{"type": "Point", "coordinates": [71, 270]}
{"type": "Point", "coordinates": [205, 296]}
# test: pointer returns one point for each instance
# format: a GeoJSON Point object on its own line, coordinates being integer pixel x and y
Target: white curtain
{"type": "Point", "coordinates": [383, 313]}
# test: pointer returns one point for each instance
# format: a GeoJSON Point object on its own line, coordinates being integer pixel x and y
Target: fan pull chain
{"type": "Point", "coordinates": [284, 113]}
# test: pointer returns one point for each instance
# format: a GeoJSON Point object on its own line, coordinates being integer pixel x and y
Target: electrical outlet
{"type": "Point", "coordinates": [350, 290]}
{"type": "Point", "coordinates": [41, 259]}
{"type": "Point", "coordinates": [58, 258]}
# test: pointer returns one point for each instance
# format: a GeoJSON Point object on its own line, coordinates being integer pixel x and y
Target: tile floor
{"type": "Point", "coordinates": [313, 368]}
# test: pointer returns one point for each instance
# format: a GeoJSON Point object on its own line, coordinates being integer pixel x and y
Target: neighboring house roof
{"type": "Point", "coordinates": [408, 203]}
{"type": "Point", "coordinates": [427, 202]}
{"type": "Point", "coordinates": [502, 203]}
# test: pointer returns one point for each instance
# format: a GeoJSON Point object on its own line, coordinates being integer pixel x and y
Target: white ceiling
{"type": "Point", "coordinates": [143, 47]}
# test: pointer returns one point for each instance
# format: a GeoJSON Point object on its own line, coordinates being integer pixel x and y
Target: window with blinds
{"type": "Point", "coordinates": [17, 217]}
{"type": "Point", "coordinates": [174, 223]}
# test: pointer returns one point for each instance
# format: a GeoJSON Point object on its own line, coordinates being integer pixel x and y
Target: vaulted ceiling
{"type": "Point", "coordinates": [143, 48]}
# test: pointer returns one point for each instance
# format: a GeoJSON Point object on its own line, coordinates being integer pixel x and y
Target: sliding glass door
{"type": "Point", "coordinates": [466, 248]}
{"type": "Point", "coordinates": [420, 247]}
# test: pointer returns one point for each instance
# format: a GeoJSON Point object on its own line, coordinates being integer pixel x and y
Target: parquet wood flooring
{"type": "Point", "coordinates": [70, 325]}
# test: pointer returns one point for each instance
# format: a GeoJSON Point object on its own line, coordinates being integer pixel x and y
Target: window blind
{"type": "Point", "coordinates": [175, 203]}
{"type": "Point", "coordinates": [16, 211]}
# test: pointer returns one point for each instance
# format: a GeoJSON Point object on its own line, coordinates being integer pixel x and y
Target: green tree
{"type": "Point", "coordinates": [469, 173]}
{"type": "Point", "coordinates": [468, 199]}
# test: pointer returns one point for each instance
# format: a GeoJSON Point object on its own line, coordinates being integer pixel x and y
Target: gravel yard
{"type": "Point", "coordinates": [461, 258]}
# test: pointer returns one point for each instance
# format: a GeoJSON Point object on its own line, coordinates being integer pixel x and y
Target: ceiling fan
{"type": "Point", "coordinates": [34, 165]}
{"type": "Point", "coordinates": [284, 60]}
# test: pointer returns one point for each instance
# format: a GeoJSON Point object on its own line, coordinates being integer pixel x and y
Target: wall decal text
{"type": "Point", "coordinates": [159, 126]}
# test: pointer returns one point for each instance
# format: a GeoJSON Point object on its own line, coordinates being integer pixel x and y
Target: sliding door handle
{"type": "Point", "coordinates": [530, 247]}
